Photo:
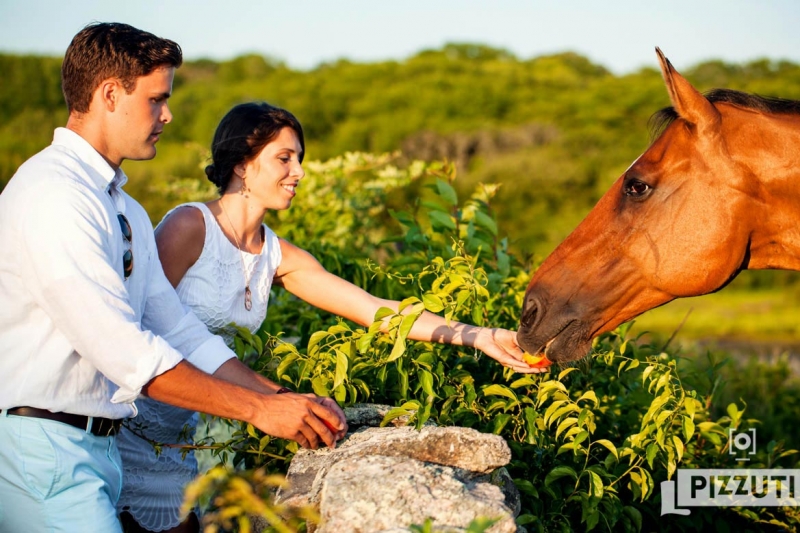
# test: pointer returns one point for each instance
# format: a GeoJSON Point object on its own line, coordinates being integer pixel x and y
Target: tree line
{"type": "Point", "coordinates": [554, 130]}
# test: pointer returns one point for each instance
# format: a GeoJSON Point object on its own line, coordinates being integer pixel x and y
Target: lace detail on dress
{"type": "Point", "coordinates": [214, 289]}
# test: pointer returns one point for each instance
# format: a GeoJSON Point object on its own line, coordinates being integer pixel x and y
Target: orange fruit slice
{"type": "Point", "coordinates": [538, 360]}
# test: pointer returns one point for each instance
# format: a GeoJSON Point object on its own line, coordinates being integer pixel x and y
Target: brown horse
{"type": "Point", "coordinates": [717, 192]}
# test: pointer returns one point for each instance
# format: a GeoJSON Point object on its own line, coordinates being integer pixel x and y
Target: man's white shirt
{"type": "Point", "coordinates": [75, 336]}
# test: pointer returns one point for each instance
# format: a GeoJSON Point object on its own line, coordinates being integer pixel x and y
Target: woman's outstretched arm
{"type": "Point", "coordinates": [302, 275]}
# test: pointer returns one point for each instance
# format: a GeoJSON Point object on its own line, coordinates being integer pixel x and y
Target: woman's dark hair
{"type": "Point", "coordinates": [241, 135]}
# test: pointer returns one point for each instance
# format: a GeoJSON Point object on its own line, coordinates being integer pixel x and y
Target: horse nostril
{"type": "Point", "coordinates": [529, 312]}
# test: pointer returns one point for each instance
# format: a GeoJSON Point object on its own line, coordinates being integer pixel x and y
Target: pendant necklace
{"type": "Point", "coordinates": [248, 297]}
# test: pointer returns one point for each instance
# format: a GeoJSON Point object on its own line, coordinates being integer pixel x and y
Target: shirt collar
{"type": "Point", "coordinates": [104, 176]}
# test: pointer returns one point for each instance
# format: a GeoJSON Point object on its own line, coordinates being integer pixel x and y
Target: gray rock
{"type": "Point", "coordinates": [373, 493]}
{"type": "Point", "coordinates": [458, 447]}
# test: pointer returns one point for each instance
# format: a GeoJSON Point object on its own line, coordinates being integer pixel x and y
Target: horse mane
{"type": "Point", "coordinates": [765, 104]}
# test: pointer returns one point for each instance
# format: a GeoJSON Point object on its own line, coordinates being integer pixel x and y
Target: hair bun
{"type": "Point", "coordinates": [211, 174]}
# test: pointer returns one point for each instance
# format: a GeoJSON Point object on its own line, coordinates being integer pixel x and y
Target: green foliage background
{"type": "Point", "coordinates": [534, 142]}
{"type": "Point", "coordinates": [590, 443]}
{"type": "Point", "coordinates": [556, 131]}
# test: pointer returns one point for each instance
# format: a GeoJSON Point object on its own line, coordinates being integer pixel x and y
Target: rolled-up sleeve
{"type": "Point", "coordinates": [166, 316]}
{"type": "Point", "coordinates": [71, 272]}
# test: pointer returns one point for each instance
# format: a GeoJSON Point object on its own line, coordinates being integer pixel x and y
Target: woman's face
{"type": "Point", "coordinates": [273, 175]}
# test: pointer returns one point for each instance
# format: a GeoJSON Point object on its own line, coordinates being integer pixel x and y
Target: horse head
{"type": "Point", "coordinates": [715, 193]}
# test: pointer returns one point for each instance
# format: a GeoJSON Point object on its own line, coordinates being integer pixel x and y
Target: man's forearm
{"type": "Point", "coordinates": [234, 371]}
{"type": "Point", "coordinates": [190, 388]}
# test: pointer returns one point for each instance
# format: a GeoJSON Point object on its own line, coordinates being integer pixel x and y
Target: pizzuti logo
{"type": "Point", "coordinates": [734, 487]}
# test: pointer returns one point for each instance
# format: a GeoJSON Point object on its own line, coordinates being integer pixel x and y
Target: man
{"type": "Point", "coordinates": [88, 320]}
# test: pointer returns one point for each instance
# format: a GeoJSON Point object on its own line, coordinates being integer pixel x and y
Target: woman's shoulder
{"type": "Point", "coordinates": [183, 228]}
{"type": "Point", "coordinates": [185, 218]}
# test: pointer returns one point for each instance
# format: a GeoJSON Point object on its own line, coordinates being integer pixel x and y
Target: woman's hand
{"type": "Point", "coordinates": [501, 345]}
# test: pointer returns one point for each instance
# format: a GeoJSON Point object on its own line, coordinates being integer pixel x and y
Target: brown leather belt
{"type": "Point", "coordinates": [101, 427]}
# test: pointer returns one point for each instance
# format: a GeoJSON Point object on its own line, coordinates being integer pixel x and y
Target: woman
{"type": "Point", "coordinates": [223, 260]}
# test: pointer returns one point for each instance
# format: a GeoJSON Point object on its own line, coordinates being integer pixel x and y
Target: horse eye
{"type": "Point", "coordinates": [636, 189]}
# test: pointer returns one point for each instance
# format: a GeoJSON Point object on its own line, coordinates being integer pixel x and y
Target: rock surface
{"type": "Point", "coordinates": [374, 493]}
{"type": "Point", "coordinates": [450, 446]}
{"type": "Point", "coordinates": [387, 479]}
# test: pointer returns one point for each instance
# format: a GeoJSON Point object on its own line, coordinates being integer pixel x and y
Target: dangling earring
{"type": "Point", "coordinates": [244, 190]}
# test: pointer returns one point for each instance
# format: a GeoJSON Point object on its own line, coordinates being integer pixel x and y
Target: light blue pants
{"type": "Point", "coordinates": [55, 477]}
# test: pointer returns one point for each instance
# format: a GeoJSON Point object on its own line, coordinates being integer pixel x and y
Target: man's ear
{"type": "Point", "coordinates": [108, 93]}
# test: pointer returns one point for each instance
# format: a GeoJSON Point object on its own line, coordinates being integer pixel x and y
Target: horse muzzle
{"type": "Point", "coordinates": [560, 335]}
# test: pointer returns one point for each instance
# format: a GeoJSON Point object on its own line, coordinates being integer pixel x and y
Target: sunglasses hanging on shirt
{"type": "Point", "coordinates": [127, 236]}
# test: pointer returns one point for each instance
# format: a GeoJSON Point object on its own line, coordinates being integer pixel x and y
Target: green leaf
{"type": "Point", "coordinates": [316, 337]}
{"type": "Point", "coordinates": [690, 404]}
{"type": "Point", "coordinates": [435, 206]}
{"type": "Point", "coordinates": [485, 221]}
{"type": "Point", "coordinates": [523, 381]}
{"type": "Point", "coordinates": [652, 450]}
{"type": "Point", "coordinates": [340, 394]}
{"type": "Point", "coordinates": [608, 445]}
{"type": "Point", "coordinates": [564, 372]}
{"type": "Point", "coordinates": [284, 365]}
{"type": "Point", "coordinates": [432, 302]}
{"type": "Point", "coordinates": [569, 408]}
{"type": "Point", "coordinates": [662, 381]}
{"type": "Point", "coordinates": [477, 315]}
{"type": "Point", "coordinates": [441, 220]}
{"type": "Point", "coordinates": [634, 515]}
{"type": "Point", "coordinates": [383, 312]}
{"type": "Point", "coordinates": [595, 485]}
{"type": "Point", "coordinates": [678, 446]}
{"type": "Point", "coordinates": [688, 428]}
{"type": "Point", "coordinates": [592, 519]}
{"type": "Point", "coordinates": [567, 422]}
{"type": "Point", "coordinates": [499, 390]}
{"type": "Point", "coordinates": [426, 380]}
{"type": "Point", "coordinates": [559, 472]}
{"type": "Point", "coordinates": [398, 349]}
{"type": "Point", "coordinates": [552, 409]}
{"type": "Point", "coordinates": [580, 437]}
{"type": "Point", "coordinates": [408, 322]}
{"type": "Point", "coordinates": [527, 488]}
{"type": "Point", "coordinates": [588, 395]}
{"type": "Point", "coordinates": [341, 369]}
{"type": "Point", "coordinates": [530, 415]}
{"type": "Point", "coordinates": [338, 328]}
{"type": "Point", "coordinates": [238, 346]}
{"type": "Point", "coordinates": [408, 408]}
{"type": "Point", "coordinates": [320, 386]}
{"type": "Point", "coordinates": [499, 422]}
{"type": "Point", "coordinates": [364, 342]}
{"type": "Point", "coordinates": [447, 192]}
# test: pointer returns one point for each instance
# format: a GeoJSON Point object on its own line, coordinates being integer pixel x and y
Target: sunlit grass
{"type": "Point", "coordinates": [767, 315]}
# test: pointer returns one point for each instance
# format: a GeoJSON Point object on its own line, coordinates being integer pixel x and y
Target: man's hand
{"type": "Point", "coordinates": [501, 345]}
{"type": "Point", "coordinates": [340, 428]}
{"type": "Point", "coordinates": [303, 418]}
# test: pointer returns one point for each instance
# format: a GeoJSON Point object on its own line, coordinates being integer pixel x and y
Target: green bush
{"type": "Point", "coordinates": [590, 443]}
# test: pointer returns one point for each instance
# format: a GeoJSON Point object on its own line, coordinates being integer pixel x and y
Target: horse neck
{"type": "Point", "coordinates": [775, 240]}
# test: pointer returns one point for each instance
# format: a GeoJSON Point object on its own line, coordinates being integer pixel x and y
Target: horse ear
{"type": "Point", "coordinates": [687, 101]}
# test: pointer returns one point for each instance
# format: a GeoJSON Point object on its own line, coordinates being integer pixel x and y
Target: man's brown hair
{"type": "Point", "coordinates": [106, 50]}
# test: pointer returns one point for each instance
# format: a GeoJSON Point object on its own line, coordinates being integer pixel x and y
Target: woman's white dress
{"type": "Point", "coordinates": [152, 486]}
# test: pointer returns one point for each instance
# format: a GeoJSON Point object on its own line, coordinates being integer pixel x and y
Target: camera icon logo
{"type": "Point", "coordinates": [744, 441]}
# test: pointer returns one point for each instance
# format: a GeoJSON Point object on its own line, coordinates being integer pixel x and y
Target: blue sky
{"type": "Point", "coordinates": [619, 35]}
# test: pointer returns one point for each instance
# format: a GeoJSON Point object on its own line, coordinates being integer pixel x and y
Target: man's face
{"type": "Point", "coordinates": [139, 117]}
